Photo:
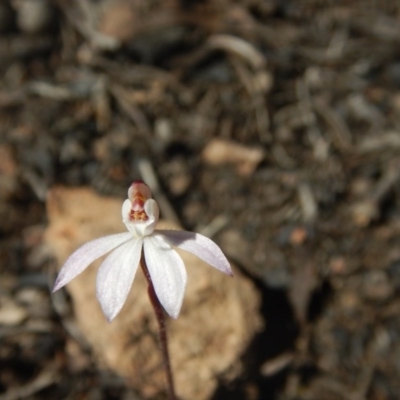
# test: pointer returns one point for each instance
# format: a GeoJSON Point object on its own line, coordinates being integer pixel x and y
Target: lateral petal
{"type": "Point", "coordinates": [115, 277]}
{"type": "Point", "coordinates": [199, 245]}
{"type": "Point", "coordinates": [78, 261]}
{"type": "Point", "coordinates": [167, 272]}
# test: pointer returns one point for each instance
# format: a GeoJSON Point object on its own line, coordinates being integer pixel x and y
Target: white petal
{"type": "Point", "coordinates": [86, 254]}
{"type": "Point", "coordinates": [126, 208]}
{"type": "Point", "coordinates": [167, 272]}
{"type": "Point", "coordinates": [115, 277]}
{"type": "Point", "coordinates": [199, 245]}
{"type": "Point", "coordinates": [153, 212]}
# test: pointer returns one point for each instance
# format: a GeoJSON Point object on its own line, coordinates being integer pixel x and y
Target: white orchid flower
{"type": "Point", "coordinates": [140, 214]}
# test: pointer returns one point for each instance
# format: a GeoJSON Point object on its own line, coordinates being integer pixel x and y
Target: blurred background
{"type": "Point", "coordinates": [272, 126]}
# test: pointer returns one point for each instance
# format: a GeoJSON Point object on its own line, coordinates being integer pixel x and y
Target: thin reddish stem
{"type": "Point", "coordinates": [159, 311]}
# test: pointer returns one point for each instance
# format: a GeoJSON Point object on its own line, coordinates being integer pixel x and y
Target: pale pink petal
{"type": "Point", "coordinates": [115, 277]}
{"type": "Point", "coordinates": [199, 245]}
{"type": "Point", "coordinates": [86, 254]}
{"type": "Point", "coordinates": [167, 273]}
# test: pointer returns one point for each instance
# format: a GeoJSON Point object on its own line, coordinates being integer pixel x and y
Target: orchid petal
{"type": "Point", "coordinates": [78, 261]}
{"type": "Point", "coordinates": [126, 208]}
{"type": "Point", "coordinates": [115, 277]}
{"type": "Point", "coordinates": [153, 212]}
{"type": "Point", "coordinates": [167, 272]}
{"type": "Point", "coordinates": [199, 245]}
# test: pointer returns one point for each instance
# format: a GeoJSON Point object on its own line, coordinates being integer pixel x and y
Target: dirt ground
{"type": "Point", "coordinates": [271, 126]}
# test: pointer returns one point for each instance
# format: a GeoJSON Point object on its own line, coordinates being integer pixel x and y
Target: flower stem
{"type": "Point", "coordinates": [159, 311]}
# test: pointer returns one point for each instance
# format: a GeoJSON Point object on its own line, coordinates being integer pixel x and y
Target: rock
{"type": "Point", "coordinates": [118, 20]}
{"type": "Point", "coordinates": [218, 320]}
{"type": "Point", "coordinates": [222, 152]}
{"type": "Point", "coordinates": [35, 16]}
{"type": "Point", "coordinates": [377, 286]}
{"type": "Point", "coordinates": [11, 313]}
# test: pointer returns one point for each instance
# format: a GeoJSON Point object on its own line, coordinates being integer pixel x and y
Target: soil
{"type": "Point", "coordinates": [271, 126]}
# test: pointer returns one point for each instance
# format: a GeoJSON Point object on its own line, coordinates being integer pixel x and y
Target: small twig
{"type": "Point", "coordinates": [382, 141]}
{"type": "Point", "coordinates": [215, 226]}
{"type": "Point", "coordinates": [37, 183]}
{"type": "Point", "coordinates": [238, 47]}
{"type": "Point", "coordinates": [63, 310]}
{"type": "Point", "coordinates": [132, 111]}
{"type": "Point", "coordinates": [309, 206]}
{"type": "Point", "coordinates": [54, 92]}
{"type": "Point", "coordinates": [340, 132]}
{"type": "Point", "coordinates": [277, 364]}
{"type": "Point", "coordinates": [369, 208]}
{"type": "Point", "coordinates": [162, 331]}
{"type": "Point", "coordinates": [80, 16]}
{"type": "Point", "coordinates": [256, 80]}
{"type": "Point", "coordinates": [319, 143]}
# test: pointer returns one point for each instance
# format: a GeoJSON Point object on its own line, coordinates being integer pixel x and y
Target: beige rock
{"type": "Point", "coordinates": [118, 20]}
{"type": "Point", "coordinates": [221, 152]}
{"type": "Point", "coordinates": [11, 313]}
{"type": "Point", "coordinates": [218, 319]}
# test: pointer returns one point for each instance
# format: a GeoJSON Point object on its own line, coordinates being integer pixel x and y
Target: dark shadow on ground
{"type": "Point", "coordinates": [278, 337]}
